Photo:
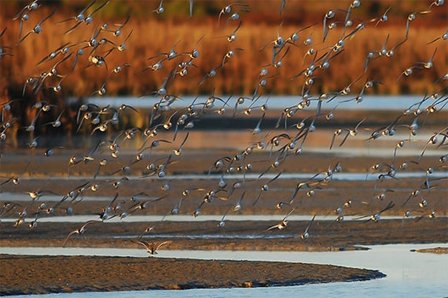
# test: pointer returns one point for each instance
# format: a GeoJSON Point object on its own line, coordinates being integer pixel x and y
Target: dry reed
{"type": "Point", "coordinates": [240, 74]}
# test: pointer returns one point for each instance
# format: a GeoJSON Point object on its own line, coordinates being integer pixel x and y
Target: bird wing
{"type": "Point", "coordinates": [309, 224]}
{"type": "Point", "coordinates": [162, 244]}
{"type": "Point", "coordinates": [69, 235]}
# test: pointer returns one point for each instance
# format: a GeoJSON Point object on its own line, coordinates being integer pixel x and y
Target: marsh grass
{"type": "Point", "coordinates": [241, 74]}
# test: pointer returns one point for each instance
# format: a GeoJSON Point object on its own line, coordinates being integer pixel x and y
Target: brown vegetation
{"type": "Point", "coordinates": [240, 75]}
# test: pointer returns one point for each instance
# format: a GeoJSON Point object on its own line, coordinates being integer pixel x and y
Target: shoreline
{"type": "Point", "coordinates": [434, 250]}
{"type": "Point", "coordinates": [42, 275]}
{"type": "Point", "coordinates": [324, 236]}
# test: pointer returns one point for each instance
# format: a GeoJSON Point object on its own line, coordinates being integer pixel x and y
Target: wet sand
{"type": "Point", "coordinates": [39, 275]}
{"type": "Point", "coordinates": [65, 274]}
{"type": "Point", "coordinates": [419, 227]}
{"type": "Point", "coordinates": [325, 200]}
{"type": "Point", "coordinates": [324, 235]}
{"type": "Point", "coordinates": [200, 161]}
{"type": "Point", "coordinates": [435, 250]}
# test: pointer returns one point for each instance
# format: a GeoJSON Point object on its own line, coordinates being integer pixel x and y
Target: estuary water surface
{"type": "Point", "coordinates": [388, 103]}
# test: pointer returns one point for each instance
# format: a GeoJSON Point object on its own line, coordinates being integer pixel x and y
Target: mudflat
{"type": "Point", "coordinates": [38, 275]}
{"type": "Point", "coordinates": [41, 274]}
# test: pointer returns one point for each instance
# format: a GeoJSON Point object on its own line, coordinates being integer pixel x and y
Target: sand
{"type": "Point", "coordinates": [324, 235]}
{"type": "Point", "coordinates": [435, 250]}
{"type": "Point", "coordinates": [38, 275]}
{"type": "Point", "coordinates": [29, 274]}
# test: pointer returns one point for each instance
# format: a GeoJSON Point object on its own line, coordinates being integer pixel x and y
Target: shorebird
{"type": "Point", "coordinates": [384, 18]}
{"type": "Point", "coordinates": [377, 216]}
{"type": "Point", "coordinates": [24, 14]}
{"type": "Point", "coordinates": [106, 42]}
{"type": "Point", "coordinates": [37, 28]}
{"type": "Point", "coordinates": [35, 195]}
{"type": "Point", "coordinates": [222, 222]}
{"type": "Point", "coordinates": [350, 132]}
{"type": "Point", "coordinates": [79, 231]}
{"type": "Point", "coordinates": [178, 151]}
{"type": "Point", "coordinates": [444, 36]}
{"type": "Point", "coordinates": [234, 10]}
{"type": "Point", "coordinates": [62, 50]}
{"type": "Point", "coordinates": [305, 235]}
{"type": "Point", "coordinates": [118, 30]}
{"type": "Point", "coordinates": [83, 17]}
{"type": "Point", "coordinates": [160, 9]}
{"type": "Point", "coordinates": [411, 17]}
{"type": "Point", "coordinates": [282, 224]}
{"type": "Point", "coordinates": [265, 188]}
{"type": "Point", "coordinates": [79, 18]}
{"type": "Point", "coordinates": [152, 247]}
{"type": "Point", "coordinates": [232, 36]}
{"type": "Point", "coordinates": [329, 15]}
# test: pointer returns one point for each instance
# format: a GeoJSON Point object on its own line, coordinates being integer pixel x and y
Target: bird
{"type": "Point", "coordinates": [62, 50]}
{"type": "Point", "coordinates": [222, 222]}
{"type": "Point", "coordinates": [349, 132]}
{"type": "Point", "coordinates": [282, 224]}
{"type": "Point", "coordinates": [329, 15]}
{"type": "Point", "coordinates": [37, 28]}
{"type": "Point", "coordinates": [137, 144]}
{"type": "Point", "coordinates": [57, 122]}
{"type": "Point", "coordinates": [160, 9]}
{"type": "Point", "coordinates": [411, 17]}
{"type": "Point", "coordinates": [87, 19]}
{"type": "Point", "coordinates": [232, 36]}
{"type": "Point", "coordinates": [233, 8]}
{"type": "Point", "coordinates": [152, 247]}
{"type": "Point", "coordinates": [306, 234]}
{"type": "Point", "coordinates": [282, 6]}
{"type": "Point", "coordinates": [384, 18]}
{"type": "Point", "coordinates": [79, 231]}
{"type": "Point", "coordinates": [444, 36]}
{"type": "Point", "coordinates": [118, 28]}
{"type": "Point", "coordinates": [35, 195]}
{"type": "Point", "coordinates": [24, 14]}
{"type": "Point", "coordinates": [265, 188]}
{"type": "Point", "coordinates": [377, 216]}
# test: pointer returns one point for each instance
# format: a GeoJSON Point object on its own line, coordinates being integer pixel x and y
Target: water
{"type": "Point", "coordinates": [355, 176]}
{"type": "Point", "coordinates": [200, 218]}
{"type": "Point", "coordinates": [409, 274]}
{"type": "Point", "coordinates": [386, 103]}
{"type": "Point", "coordinates": [223, 140]}
{"type": "Point", "coordinates": [23, 197]}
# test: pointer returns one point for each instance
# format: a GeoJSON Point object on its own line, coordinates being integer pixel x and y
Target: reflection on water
{"type": "Point", "coordinates": [408, 273]}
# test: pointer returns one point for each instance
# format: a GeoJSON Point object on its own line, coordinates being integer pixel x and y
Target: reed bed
{"type": "Point", "coordinates": [149, 37]}
{"type": "Point", "coordinates": [238, 76]}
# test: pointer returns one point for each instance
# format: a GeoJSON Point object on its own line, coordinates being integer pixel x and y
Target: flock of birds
{"type": "Point", "coordinates": [107, 40]}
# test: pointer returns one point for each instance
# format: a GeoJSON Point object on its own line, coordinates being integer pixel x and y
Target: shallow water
{"type": "Point", "coordinates": [408, 273]}
{"type": "Point", "coordinates": [318, 142]}
{"type": "Point", "coordinates": [361, 176]}
{"type": "Point", "coordinates": [275, 102]}
{"type": "Point", "coordinates": [200, 218]}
